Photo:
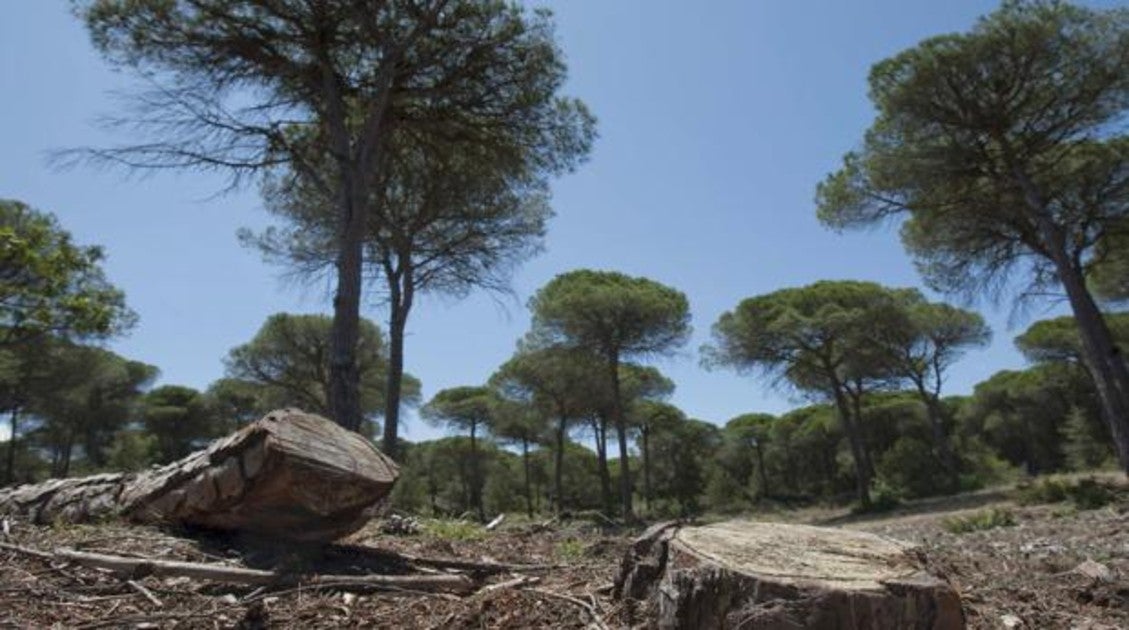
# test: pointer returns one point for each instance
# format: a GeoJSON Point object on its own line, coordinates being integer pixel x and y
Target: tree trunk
{"type": "Point", "coordinates": [475, 477]}
{"type": "Point", "coordinates": [401, 305]}
{"type": "Point", "coordinates": [600, 424]}
{"type": "Point", "coordinates": [289, 475]}
{"type": "Point", "coordinates": [558, 466]}
{"type": "Point", "coordinates": [344, 376]}
{"type": "Point", "coordinates": [1101, 354]}
{"type": "Point", "coordinates": [525, 465]}
{"type": "Point", "coordinates": [742, 574]}
{"type": "Point", "coordinates": [646, 434]}
{"type": "Point", "coordinates": [862, 475]}
{"type": "Point", "coordinates": [14, 428]}
{"type": "Point", "coordinates": [761, 469]}
{"type": "Point", "coordinates": [621, 436]}
{"type": "Point", "coordinates": [940, 438]}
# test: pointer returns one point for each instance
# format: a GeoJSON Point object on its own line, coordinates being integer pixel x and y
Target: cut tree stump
{"type": "Point", "coordinates": [289, 475]}
{"type": "Point", "coordinates": [744, 574]}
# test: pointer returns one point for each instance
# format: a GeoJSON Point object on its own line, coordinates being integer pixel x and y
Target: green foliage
{"type": "Point", "coordinates": [286, 364]}
{"type": "Point", "coordinates": [884, 497]}
{"type": "Point", "coordinates": [569, 550]}
{"type": "Point", "coordinates": [1022, 415]}
{"type": "Point", "coordinates": [979, 521]}
{"type": "Point", "coordinates": [180, 421]}
{"type": "Point", "coordinates": [132, 450]}
{"type": "Point", "coordinates": [1003, 149]}
{"type": "Point", "coordinates": [1044, 490]}
{"type": "Point", "coordinates": [49, 285]}
{"type": "Point", "coordinates": [911, 469]}
{"type": "Point", "coordinates": [1058, 340]}
{"type": "Point", "coordinates": [610, 314]}
{"type": "Point", "coordinates": [1084, 494]}
{"type": "Point", "coordinates": [1088, 445]}
{"type": "Point", "coordinates": [453, 530]}
{"type": "Point", "coordinates": [1025, 92]}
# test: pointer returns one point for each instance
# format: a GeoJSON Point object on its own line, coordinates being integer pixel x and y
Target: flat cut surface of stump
{"type": "Point", "coordinates": [744, 574]}
{"type": "Point", "coordinates": [800, 554]}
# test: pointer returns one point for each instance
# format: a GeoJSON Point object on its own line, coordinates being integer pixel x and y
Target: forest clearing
{"type": "Point", "coordinates": [713, 409]}
{"type": "Point", "coordinates": [1043, 566]}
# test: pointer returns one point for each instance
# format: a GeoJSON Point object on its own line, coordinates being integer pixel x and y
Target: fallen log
{"type": "Point", "coordinates": [135, 568]}
{"type": "Point", "coordinates": [743, 574]}
{"type": "Point", "coordinates": [289, 475]}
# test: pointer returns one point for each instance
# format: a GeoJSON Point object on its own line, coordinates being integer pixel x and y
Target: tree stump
{"type": "Point", "coordinates": [744, 574]}
{"type": "Point", "coordinates": [289, 475]}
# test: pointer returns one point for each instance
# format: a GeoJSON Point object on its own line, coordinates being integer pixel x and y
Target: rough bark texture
{"type": "Point", "coordinates": [289, 475]}
{"type": "Point", "coordinates": [743, 574]}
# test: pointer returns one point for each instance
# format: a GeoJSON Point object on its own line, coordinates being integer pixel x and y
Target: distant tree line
{"type": "Point", "coordinates": [1001, 153]}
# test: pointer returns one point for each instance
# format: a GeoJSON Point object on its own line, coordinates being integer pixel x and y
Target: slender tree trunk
{"type": "Point", "coordinates": [1031, 463]}
{"type": "Point", "coordinates": [600, 424]}
{"type": "Point", "coordinates": [558, 466]}
{"type": "Point", "coordinates": [528, 492]}
{"type": "Point", "coordinates": [646, 435]}
{"type": "Point", "coordinates": [68, 448]}
{"type": "Point", "coordinates": [940, 438]}
{"type": "Point", "coordinates": [621, 436]}
{"type": "Point", "coordinates": [856, 407]}
{"type": "Point", "coordinates": [761, 469]}
{"type": "Point", "coordinates": [1099, 351]}
{"type": "Point", "coordinates": [475, 477]}
{"type": "Point", "coordinates": [397, 323]}
{"type": "Point", "coordinates": [14, 429]}
{"type": "Point", "coordinates": [858, 454]}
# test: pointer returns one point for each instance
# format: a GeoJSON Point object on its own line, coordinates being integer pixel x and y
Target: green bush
{"type": "Point", "coordinates": [985, 519]}
{"type": "Point", "coordinates": [910, 469]}
{"type": "Point", "coordinates": [883, 498]}
{"type": "Point", "coordinates": [1085, 494]}
{"type": "Point", "coordinates": [1045, 490]}
{"type": "Point", "coordinates": [1091, 494]}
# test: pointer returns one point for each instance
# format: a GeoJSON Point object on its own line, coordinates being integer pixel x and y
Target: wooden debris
{"type": "Point", "coordinates": [141, 567]}
{"type": "Point", "coordinates": [496, 522]}
{"type": "Point", "coordinates": [748, 574]}
{"type": "Point", "coordinates": [289, 475]}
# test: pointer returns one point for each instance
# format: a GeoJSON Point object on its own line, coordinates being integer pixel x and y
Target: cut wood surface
{"type": "Point", "coordinates": [774, 575]}
{"type": "Point", "coordinates": [291, 474]}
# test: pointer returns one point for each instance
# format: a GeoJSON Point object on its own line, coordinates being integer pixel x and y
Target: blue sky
{"type": "Point", "coordinates": [716, 121]}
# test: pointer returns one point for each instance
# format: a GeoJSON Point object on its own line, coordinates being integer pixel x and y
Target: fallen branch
{"type": "Point", "coordinates": [140, 567]}
{"type": "Point", "coordinates": [144, 592]}
{"type": "Point", "coordinates": [591, 610]}
{"type": "Point", "coordinates": [496, 522]}
{"type": "Point", "coordinates": [456, 564]}
{"type": "Point", "coordinates": [517, 582]}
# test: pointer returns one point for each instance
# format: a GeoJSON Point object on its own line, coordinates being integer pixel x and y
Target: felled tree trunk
{"type": "Point", "coordinates": [289, 475]}
{"type": "Point", "coordinates": [742, 574]}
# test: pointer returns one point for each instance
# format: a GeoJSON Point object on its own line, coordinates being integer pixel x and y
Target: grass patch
{"type": "Point", "coordinates": [453, 530]}
{"type": "Point", "coordinates": [570, 550]}
{"type": "Point", "coordinates": [985, 519]}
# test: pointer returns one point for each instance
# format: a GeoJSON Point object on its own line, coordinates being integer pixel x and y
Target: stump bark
{"type": "Point", "coordinates": [743, 574]}
{"type": "Point", "coordinates": [288, 475]}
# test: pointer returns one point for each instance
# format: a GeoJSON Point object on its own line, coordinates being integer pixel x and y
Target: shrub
{"type": "Point", "coordinates": [1085, 494]}
{"type": "Point", "coordinates": [883, 498]}
{"type": "Point", "coordinates": [910, 469]}
{"type": "Point", "coordinates": [1045, 490]}
{"type": "Point", "coordinates": [985, 519]}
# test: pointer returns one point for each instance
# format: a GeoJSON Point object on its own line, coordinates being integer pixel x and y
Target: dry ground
{"type": "Point", "coordinates": [1020, 576]}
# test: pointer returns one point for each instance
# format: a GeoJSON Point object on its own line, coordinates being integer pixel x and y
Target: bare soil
{"type": "Point", "coordinates": [1021, 576]}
